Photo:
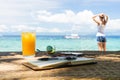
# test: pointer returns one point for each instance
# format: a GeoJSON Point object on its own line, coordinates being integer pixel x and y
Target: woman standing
{"type": "Point", "coordinates": [101, 22]}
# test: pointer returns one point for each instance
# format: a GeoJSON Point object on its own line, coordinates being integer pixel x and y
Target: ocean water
{"type": "Point", "coordinates": [89, 43]}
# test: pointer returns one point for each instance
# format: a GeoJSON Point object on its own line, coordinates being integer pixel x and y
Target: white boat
{"type": "Point", "coordinates": [72, 36]}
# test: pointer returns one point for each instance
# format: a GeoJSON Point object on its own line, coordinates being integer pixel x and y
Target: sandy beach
{"type": "Point", "coordinates": [107, 68]}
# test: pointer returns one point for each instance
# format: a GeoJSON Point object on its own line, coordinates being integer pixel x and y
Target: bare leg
{"type": "Point", "coordinates": [104, 46]}
{"type": "Point", "coordinates": [100, 46]}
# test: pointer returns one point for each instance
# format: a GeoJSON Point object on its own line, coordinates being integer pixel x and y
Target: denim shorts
{"type": "Point", "coordinates": [101, 38]}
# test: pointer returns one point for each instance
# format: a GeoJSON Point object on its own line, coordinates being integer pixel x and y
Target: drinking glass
{"type": "Point", "coordinates": [28, 43]}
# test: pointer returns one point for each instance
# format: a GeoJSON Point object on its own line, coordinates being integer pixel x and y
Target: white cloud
{"type": "Point", "coordinates": [81, 21]}
{"type": "Point", "coordinates": [3, 28]}
{"type": "Point", "coordinates": [19, 11]}
{"type": "Point", "coordinates": [67, 17]}
{"type": "Point", "coordinates": [114, 24]}
{"type": "Point", "coordinates": [21, 28]}
{"type": "Point", "coordinates": [55, 30]}
{"type": "Point", "coordinates": [77, 22]}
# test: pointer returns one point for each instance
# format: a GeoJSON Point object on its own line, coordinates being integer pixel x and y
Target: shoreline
{"type": "Point", "coordinates": [67, 51]}
{"type": "Point", "coordinates": [86, 52]}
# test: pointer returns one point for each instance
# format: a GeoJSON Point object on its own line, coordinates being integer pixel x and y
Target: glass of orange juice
{"type": "Point", "coordinates": [28, 43]}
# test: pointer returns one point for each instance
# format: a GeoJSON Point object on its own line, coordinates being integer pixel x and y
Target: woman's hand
{"type": "Point", "coordinates": [94, 19]}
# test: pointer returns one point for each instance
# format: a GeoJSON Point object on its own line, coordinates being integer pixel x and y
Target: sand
{"type": "Point", "coordinates": [107, 68]}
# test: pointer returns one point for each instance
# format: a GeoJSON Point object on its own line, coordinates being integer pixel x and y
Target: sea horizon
{"type": "Point", "coordinates": [84, 43]}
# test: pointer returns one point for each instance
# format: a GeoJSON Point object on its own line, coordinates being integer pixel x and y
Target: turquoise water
{"type": "Point", "coordinates": [13, 43]}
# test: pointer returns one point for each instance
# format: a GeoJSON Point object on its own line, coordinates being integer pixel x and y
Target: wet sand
{"type": "Point", "coordinates": [107, 68]}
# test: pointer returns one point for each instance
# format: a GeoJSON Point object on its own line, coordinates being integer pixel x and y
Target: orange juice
{"type": "Point", "coordinates": [28, 43]}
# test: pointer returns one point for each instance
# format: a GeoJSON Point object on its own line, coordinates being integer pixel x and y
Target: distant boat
{"type": "Point", "coordinates": [72, 36]}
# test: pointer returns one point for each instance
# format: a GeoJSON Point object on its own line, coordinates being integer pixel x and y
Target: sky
{"type": "Point", "coordinates": [57, 16]}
